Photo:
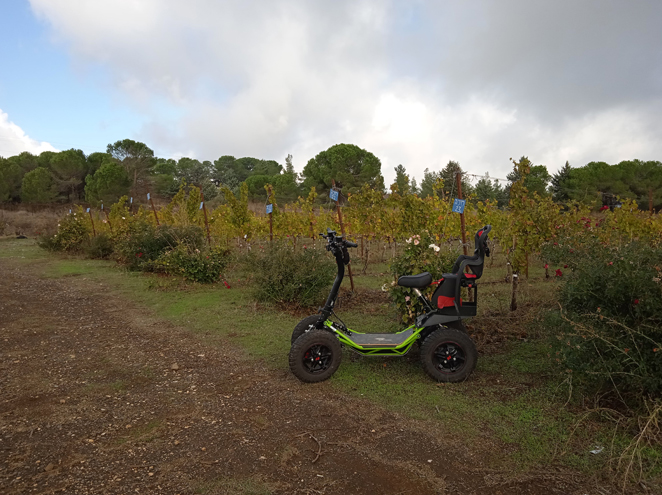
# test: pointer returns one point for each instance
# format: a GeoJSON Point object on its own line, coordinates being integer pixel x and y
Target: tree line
{"type": "Point", "coordinates": [130, 168]}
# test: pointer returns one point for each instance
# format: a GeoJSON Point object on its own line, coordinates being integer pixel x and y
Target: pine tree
{"type": "Point", "coordinates": [558, 183]}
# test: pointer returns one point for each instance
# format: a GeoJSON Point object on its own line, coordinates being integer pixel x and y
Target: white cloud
{"type": "Point", "coordinates": [417, 83]}
{"type": "Point", "coordinates": [14, 141]}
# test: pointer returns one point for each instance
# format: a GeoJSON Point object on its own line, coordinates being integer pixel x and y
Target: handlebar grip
{"type": "Point", "coordinates": [351, 244]}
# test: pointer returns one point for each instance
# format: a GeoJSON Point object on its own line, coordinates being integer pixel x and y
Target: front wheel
{"type": "Point", "coordinates": [448, 355]}
{"type": "Point", "coordinates": [315, 356]}
{"type": "Point", "coordinates": [308, 323]}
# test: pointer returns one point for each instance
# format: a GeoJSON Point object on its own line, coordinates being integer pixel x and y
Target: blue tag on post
{"type": "Point", "coordinates": [458, 205]}
{"type": "Point", "coordinates": [270, 208]}
{"type": "Point", "coordinates": [333, 195]}
{"type": "Point", "coordinates": [102, 206]}
{"type": "Point", "coordinates": [69, 211]}
{"type": "Point", "coordinates": [88, 210]}
{"type": "Point", "coordinates": [131, 200]}
{"type": "Point", "coordinates": [201, 203]}
{"type": "Point", "coordinates": [147, 196]}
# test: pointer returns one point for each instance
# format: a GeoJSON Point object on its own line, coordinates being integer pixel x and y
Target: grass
{"type": "Point", "coordinates": [513, 400]}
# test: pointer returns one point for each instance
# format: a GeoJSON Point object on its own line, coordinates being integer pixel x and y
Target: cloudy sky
{"type": "Point", "coordinates": [415, 82]}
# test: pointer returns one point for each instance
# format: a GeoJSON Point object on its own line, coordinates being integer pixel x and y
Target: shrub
{"type": "Point", "coordinates": [609, 334]}
{"type": "Point", "coordinates": [282, 275]}
{"type": "Point", "coordinates": [205, 266]}
{"type": "Point", "coordinates": [99, 247]}
{"type": "Point", "coordinates": [420, 255]}
{"type": "Point", "coordinates": [72, 232]}
{"type": "Point", "coordinates": [144, 243]}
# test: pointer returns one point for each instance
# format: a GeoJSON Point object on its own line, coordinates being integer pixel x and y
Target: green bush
{"type": "Point", "coordinates": [204, 266]}
{"type": "Point", "coordinates": [282, 275]}
{"type": "Point", "coordinates": [72, 233]}
{"type": "Point", "coordinates": [609, 333]}
{"type": "Point", "coordinates": [98, 247]}
{"type": "Point", "coordinates": [420, 255]}
{"type": "Point", "coordinates": [143, 244]}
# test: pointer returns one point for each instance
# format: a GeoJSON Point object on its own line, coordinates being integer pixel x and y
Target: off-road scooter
{"type": "Point", "coordinates": [446, 350]}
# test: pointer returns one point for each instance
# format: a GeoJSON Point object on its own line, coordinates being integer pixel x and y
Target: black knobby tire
{"type": "Point", "coordinates": [448, 355]}
{"type": "Point", "coordinates": [315, 356]}
{"type": "Point", "coordinates": [303, 326]}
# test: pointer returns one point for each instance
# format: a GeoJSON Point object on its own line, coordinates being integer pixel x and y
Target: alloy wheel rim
{"type": "Point", "coordinates": [317, 358]}
{"type": "Point", "coordinates": [449, 357]}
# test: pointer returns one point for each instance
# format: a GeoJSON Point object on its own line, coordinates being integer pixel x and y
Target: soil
{"type": "Point", "coordinates": [100, 396]}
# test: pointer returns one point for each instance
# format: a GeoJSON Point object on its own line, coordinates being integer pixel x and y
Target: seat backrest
{"type": "Point", "coordinates": [475, 262]}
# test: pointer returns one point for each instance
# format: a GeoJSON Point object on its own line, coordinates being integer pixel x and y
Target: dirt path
{"type": "Point", "coordinates": [90, 403]}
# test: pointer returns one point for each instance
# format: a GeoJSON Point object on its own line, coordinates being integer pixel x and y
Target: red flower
{"type": "Point", "coordinates": [565, 266]}
{"type": "Point", "coordinates": [611, 263]}
{"type": "Point", "coordinates": [139, 255]}
{"type": "Point", "coordinates": [635, 302]}
{"type": "Point", "coordinates": [604, 207]}
{"type": "Point", "coordinates": [559, 273]}
{"type": "Point", "coordinates": [546, 266]}
{"type": "Point", "coordinates": [226, 284]}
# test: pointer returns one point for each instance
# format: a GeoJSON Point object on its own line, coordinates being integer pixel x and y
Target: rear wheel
{"type": "Point", "coordinates": [448, 355]}
{"type": "Point", "coordinates": [315, 356]}
{"type": "Point", "coordinates": [308, 323]}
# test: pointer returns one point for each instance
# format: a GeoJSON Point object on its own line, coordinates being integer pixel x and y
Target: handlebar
{"type": "Point", "coordinates": [333, 239]}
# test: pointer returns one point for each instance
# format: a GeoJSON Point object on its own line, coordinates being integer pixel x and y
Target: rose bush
{"type": "Point", "coordinates": [421, 254]}
{"type": "Point", "coordinates": [608, 333]}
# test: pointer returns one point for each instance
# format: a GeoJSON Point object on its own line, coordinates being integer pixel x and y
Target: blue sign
{"type": "Point", "coordinates": [270, 208]}
{"type": "Point", "coordinates": [102, 206]}
{"type": "Point", "coordinates": [131, 200]}
{"type": "Point", "coordinates": [147, 196]}
{"type": "Point", "coordinates": [458, 205]}
{"type": "Point", "coordinates": [201, 203]}
{"type": "Point", "coordinates": [333, 195]}
{"type": "Point", "coordinates": [88, 210]}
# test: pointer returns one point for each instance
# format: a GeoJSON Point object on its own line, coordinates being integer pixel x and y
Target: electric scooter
{"type": "Point", "coordinates": [447, 352]}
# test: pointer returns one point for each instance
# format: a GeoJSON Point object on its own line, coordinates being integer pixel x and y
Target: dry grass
{"type": "Point", "coordinates": [23, 222]}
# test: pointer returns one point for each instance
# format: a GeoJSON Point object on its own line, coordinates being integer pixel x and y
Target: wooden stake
{"type": "Point", "coordinates": [108, 220]}
{"type": "Point", "coordinates": [153, 209]}
{"type": "Point", "coordinates": [458, 176]}
{"type": "Point", "coordinates": [204, 209]}
{"type": "Point", "coordinates": [271, 221]}
{"type": "Point", "coordinates": [513, 300]}
{"type": "Point", "coordinates": [94, 232]}
{"type": "Point", "coordinates": [342, 232]}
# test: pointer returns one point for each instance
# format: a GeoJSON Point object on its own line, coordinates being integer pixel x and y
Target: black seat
{"type": "Point", "coordinates": [415, 281]}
